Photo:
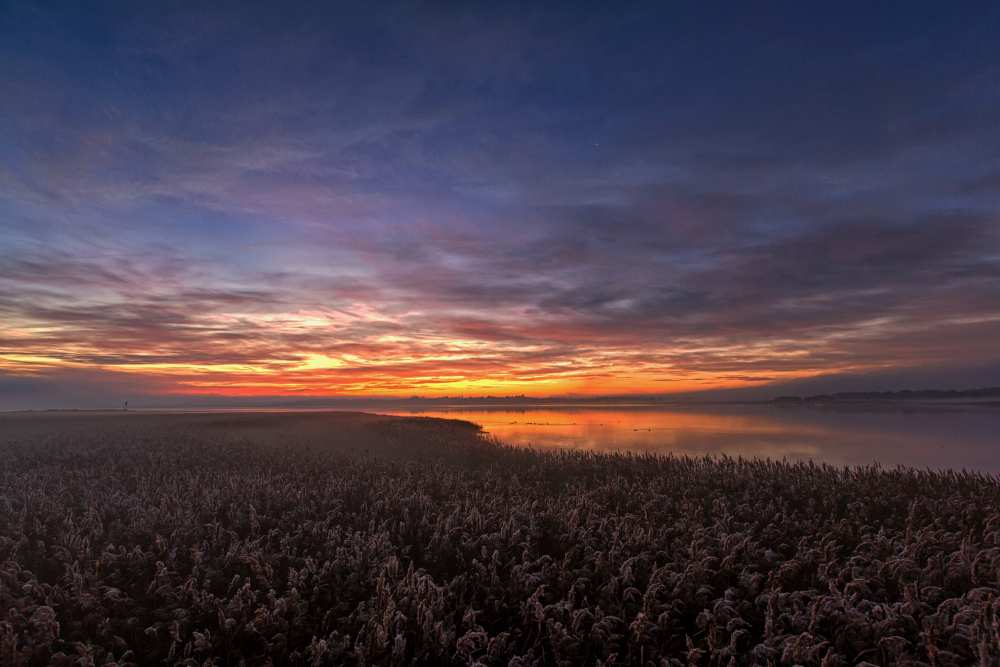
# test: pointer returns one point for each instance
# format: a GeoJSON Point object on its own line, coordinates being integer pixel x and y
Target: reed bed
{"type": "Point", "coordinates": [214, 542]}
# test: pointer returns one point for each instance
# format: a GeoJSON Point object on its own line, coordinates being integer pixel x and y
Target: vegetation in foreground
{"type": "Point", "coordinates": [321, 540]}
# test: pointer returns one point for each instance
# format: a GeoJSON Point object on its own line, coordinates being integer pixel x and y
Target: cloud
{"type": "Point", "coordinates": [415, 200]}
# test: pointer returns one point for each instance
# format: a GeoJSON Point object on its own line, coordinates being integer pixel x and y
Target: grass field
{"type": "Point", "coordinates": [342, 538]}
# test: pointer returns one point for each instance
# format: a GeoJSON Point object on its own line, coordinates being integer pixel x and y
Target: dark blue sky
{"type": "Point", "coordinates": [494, 198]}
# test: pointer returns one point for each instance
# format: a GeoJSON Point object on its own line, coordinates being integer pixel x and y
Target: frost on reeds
{"type": "Point", "coordinates": [435, 546]}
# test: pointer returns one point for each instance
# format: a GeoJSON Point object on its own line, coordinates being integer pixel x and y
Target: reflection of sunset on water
{"type": "Point", "coordinates": [922, 438]}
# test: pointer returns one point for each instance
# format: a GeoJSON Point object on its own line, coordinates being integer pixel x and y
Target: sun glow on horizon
{"type": "Point", "coordinates": [378, 349]}
{"type": "Point", "coordinates": [317, 374]}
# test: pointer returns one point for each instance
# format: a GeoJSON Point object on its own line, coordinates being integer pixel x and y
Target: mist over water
{"type": "Point", "coordinates": [922, 436]}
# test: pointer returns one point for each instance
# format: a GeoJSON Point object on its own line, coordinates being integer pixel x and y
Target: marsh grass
{"type": "Point", "coordinates": [338, 539]}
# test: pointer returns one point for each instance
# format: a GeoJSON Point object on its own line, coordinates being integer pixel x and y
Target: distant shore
{"type": "Point", "coordinates": [978, 397]}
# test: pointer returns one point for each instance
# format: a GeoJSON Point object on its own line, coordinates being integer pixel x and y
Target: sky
{"type": "Point", "coordinates": [463, 199]}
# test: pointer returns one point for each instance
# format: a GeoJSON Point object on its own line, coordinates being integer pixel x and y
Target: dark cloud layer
{"type": "Point", "coordinates": [493, 199]}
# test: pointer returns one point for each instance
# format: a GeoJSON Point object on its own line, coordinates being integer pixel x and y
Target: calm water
{"type": "Point", "coordinates": [920, 436]}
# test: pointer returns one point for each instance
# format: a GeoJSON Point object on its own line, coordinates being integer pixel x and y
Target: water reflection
{"type": "Point", "coordinates": [920, 436]}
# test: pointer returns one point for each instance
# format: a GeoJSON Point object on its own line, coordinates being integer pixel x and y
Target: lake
{"type": "Point", "coordinates": [923, 436]}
